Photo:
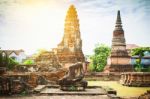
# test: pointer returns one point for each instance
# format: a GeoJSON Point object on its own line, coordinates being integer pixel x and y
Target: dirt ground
{"type": "Point", "coordinates": [59, 97]}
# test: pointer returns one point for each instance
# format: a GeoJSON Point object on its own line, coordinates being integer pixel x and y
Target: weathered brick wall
{"type": "Point", "coordinates": [18, 81]}
{"type": "Point", "coordinates": [135, 79]}
{"type": "Point", "coordinates": [102, 76]}
{"type": "Point", "coordinates": [121, 60]}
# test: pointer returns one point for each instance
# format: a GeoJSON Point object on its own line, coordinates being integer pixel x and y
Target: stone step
{"type": "Point", "coordinates": [113, 96]}
{"type": "Point", "coordinates": [39, 88]}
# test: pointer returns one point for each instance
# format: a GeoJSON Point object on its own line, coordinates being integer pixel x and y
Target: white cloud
{"type": "Point", "coordinates": [37, 26]}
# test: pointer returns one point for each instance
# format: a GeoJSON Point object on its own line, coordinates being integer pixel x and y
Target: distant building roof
{"type": "Point", "coordinates": [131, 46]}
{"type": "Point", "coordinates": [8, 52]}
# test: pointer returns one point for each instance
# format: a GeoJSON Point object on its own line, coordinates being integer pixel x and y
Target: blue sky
{"type": "Point", "coordinates": [35, 24]}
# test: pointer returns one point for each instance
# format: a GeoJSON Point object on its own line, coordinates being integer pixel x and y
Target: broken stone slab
{"type": "Point", "coordinates": [39, 88]}
{"type": "Point", "coordinates": [109, 90]}
{"type": "Point", "coordinates": [113, 96]}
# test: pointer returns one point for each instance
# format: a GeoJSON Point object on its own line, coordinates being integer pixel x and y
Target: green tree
{"type": "Point", "coordinates": [99, 59]}
{"type": "Point", "coordinates": [7, 62]}
{"type": "Point", "coordinates": [28, 62]}
{"type": "Point", "coordinates": [139, 52]}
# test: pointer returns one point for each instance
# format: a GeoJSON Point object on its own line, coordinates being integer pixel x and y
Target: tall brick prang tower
{"type": "Point", "coordinates": [119, 60]}
{"type": "Point", "coordinates": [70, 48]}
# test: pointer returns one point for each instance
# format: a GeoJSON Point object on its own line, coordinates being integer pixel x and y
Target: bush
{"type": "Point", "coordinates": [28, 62]}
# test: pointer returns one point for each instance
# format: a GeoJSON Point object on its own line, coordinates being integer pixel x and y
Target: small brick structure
{"type": "Point", "coordinates": [145, 95]}
{"type": "Point", "coordinates": [137, 79]}
{"type": "Point", "coordinates": [17, 82]}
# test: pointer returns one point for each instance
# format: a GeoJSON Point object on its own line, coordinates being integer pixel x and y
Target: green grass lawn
{"type": "Point", "coordinates": [121, 90]}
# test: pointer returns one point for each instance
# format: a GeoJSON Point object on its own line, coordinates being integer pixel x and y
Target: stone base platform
{"type": "Point", "coordinates": [53, 92]}
{"type": "Point", "coordinates": [94, 90]}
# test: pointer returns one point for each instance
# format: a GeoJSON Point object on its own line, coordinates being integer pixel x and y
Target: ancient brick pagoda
{"type": "Point", "coordinates": [69, 50]}
{"type": "Point", "coordinates": [119, 60]}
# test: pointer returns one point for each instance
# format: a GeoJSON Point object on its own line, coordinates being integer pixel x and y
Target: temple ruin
{"type": "Point", "coordinates": [119, 60]}
{"type": "Point", "coordinates": [69, 50]}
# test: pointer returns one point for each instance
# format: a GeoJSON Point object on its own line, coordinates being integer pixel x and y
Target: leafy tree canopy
{"type": "Point", "coordinates": [140, 51]}
{"type": "Point", "coordinates": [99, 59]}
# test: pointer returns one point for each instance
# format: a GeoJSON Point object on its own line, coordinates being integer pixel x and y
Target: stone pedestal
{"type": "Point", "coordinates": [77, 86]}
{"type": "Point", "coordinates": [119, 64]}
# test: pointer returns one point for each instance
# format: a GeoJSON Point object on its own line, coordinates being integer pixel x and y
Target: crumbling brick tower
{"type": "Point", "coordinates": [69, 50]}
{"type": "Point", "coordinates": [119, 60]}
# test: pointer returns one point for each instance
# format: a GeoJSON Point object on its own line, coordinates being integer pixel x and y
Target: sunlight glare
{"type": "Point", "coordinates": [42, 24]}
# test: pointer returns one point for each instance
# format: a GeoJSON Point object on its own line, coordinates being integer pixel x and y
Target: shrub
{"type": "Point", "coordinates": [28, 62]}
